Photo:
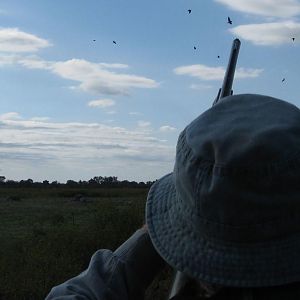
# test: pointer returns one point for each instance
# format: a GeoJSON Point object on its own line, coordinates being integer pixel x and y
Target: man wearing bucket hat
{"type": "Point", "coordinates": [227, 217]}
{"type": "Point", "coordinates": [229, 214]}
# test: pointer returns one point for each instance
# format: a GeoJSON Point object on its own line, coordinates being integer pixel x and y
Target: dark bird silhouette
{"type": "Point", "coordinates": [283, 79]}
{"type": "Point", "coordinates": [229, 21]}
{"type": "Point", "coordinates": [293, 39]}
{"type": "Point", "coordinates": [94, 40]}
{"type": "Point", "coordinates": [114, 42]}
{"type": "Point", "coordinates": [218, 56]}
{"type": "Point", "coordinates": [189, 10]}
{"type": "Point", "coordinates": [195, 48]}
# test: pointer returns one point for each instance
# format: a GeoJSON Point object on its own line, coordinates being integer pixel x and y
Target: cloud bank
{"type": "Point", "coordinates": [268, 8]}
{"type": "Point", "coordinates": [101, 103]}
{"type": "Point", "coordinates": [40, 144]}
{"type": "Point", "coordinates": [167, 128]}
{"type": "Point", "coordinates": [13, 40]}
{"type": "Point", "coordinates": [283, 13]}
{"type": "Point", "coordinates": [94, 78]}
{"type": "Point", "coordinates": [268, 34]}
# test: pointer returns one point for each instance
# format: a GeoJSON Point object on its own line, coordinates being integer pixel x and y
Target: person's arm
{"type": "Point", "coordinates": [123, 274]}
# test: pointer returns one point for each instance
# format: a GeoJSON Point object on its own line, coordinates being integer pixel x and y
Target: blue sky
{"type": "Point", "coordinates": [75, 105]}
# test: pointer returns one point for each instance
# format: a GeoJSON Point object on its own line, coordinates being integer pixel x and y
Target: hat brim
{"type": "Point", "coordinates": [268, 263]}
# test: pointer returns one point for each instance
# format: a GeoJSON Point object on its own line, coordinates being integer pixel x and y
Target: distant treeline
{"type": "Point", "coordinates": [106, 181]}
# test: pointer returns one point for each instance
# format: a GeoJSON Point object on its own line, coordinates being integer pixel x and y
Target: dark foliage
{"type": "Point", "coordinates": [106, 181]}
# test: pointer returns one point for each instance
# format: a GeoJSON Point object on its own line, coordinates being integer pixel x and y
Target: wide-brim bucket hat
{"type": "Point", "coordinates": [229, 213]}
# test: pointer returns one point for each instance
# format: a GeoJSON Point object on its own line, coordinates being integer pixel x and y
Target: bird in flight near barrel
{"type": "Point", "coordinates": [229, 21]}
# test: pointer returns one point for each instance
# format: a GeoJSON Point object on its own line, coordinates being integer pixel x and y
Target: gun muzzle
{"type": "Point", "coordinates": [229, 75]}
{"type": "Point", "coordinates": [226, 89]}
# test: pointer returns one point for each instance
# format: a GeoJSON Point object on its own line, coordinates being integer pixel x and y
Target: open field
{"type": "Point", "coordinates": [48, 235]}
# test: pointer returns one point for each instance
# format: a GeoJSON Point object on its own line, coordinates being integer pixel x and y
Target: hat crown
{"type": "Point", "coordinates": [246, 129]}
{"type": "Point", "coordinates": [237, 167]}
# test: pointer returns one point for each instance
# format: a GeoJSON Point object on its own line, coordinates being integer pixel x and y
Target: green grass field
{"type": "Point", "coordinates": [48, 235]}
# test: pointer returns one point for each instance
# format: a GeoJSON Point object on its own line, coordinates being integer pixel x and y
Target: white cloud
{"type": "Point", "coordinates": [13, 40]}
{"type": "Point", "coordinates": [92, 77]}
{"type": "Point", "coordinates": [135, 113]}
{"type": "Point", "coordinates": [101, 103]}
{"type": "Point", "coordinates": [276, 33]}
{"type": "Point", "coordinates": [33, 62]}
{"type": "Point", "coordinates": [269, 8]}
{"type": "Point", "coordinates": [111, 112]}
{"type": "Point", "coordinates": [9, 116]}
{"type": "Point", "coordinates": [144, 124]}
{"type": "Point", "coordinates": [114, 66]}
{"type": "Point", "coordinates": [201, 71]}
{"type": "Point", "coordinates": [7, 59]}
{"type": "Point", "coordinates": [29, 61]}
{"type": "Point", "coordinates": [38, 119]}
{"type": "Point", "coordinates": [167, 128]}
{"type": "Point", "coordinates": [200, 86]}
{"type": "Point", "coordinates": [214, 73]}
{"type": "Point", "coordinates": [247, 73]}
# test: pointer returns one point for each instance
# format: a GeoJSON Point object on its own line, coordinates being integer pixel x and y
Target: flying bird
{"type": "Point", "coordinates": [283, 79]}
{"type": "Point", "coordinates": [114, 42]}
{"type": "Point", "coordinates": [229, 21]}
{"type": "Point", "coordinates": [94, 40]}
{"type": "Point", "coordinates": [189, 10]}
{"type": "Point", "coordinates": [218, 56]}
{"type": "Point", "coordinates": [293, 39]}
{"type": "Point", "coordinates": [195, 48]}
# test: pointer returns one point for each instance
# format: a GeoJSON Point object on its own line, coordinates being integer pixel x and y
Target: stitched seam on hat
{"type": "Point", "coordinates": [290, 163]}
{"type": "Point", "coordinates": [266, 223]}
{"type": "Point", "coordinates": [187, 151]}
{"type": "Point", "coordinates": [220, 169]}
{"type": "Point", "coordinates": [182, 145]}
{"type": "Point", "coordinates": [200, 176]}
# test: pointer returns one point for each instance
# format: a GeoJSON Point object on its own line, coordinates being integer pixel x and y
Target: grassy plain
{"type": "Point", "coordinates": [48, 234]}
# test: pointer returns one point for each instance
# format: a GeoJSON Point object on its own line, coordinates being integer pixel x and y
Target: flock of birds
{"type": "Point", "coordinates": [229, 21]}
{"type": "Point", "coordinates": [189, 11]}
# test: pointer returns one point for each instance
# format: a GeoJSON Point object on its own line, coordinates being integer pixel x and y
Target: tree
{"type": "Point", "coordinates": [29, 181]}
{"type": "Point", "coordinates": [2, 179]}
{"type": "Point", "coordinates": [98, 179]}
{"type": "Point", "coordinates": [71, 182]}
{"type": "Point", "coordinates": [92, 181]}
{"type": "Point", "coordinates": [110, 180]}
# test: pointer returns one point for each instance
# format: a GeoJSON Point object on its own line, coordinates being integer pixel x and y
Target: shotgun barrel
{"type": "Point", "coordinates": [226, 89]}
{"type": "Point", "coordinates": [181, 279]}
